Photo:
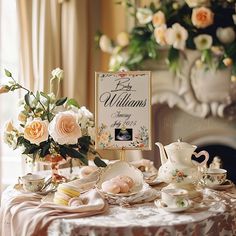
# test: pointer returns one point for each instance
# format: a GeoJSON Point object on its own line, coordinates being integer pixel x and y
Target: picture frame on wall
{"type": "Point", "coordinates": [123, 110]}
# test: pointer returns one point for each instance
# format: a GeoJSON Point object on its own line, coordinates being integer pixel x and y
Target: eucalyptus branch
{"type": "Point", "coordinates": [31, 93]}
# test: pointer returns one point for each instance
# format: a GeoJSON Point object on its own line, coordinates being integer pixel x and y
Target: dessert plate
{"type": "Point", "coordinates": [121, 168]}
{"type": "Point", "coordinates": [227, 184]}
{"type": "Point", "coordinates": [161, 205]}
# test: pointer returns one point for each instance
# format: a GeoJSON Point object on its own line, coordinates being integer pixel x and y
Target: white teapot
{"type": "Point", "coordinates": [177, 166]}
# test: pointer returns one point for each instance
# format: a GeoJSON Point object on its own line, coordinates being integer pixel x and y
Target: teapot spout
{"type": "Point", "coordinates": [162, 153]}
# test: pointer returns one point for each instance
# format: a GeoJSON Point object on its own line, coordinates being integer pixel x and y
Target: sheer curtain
{"type": "Point", "coordinates": [10, 161]}
{"type": "Point", "coordinates": [56, 34]}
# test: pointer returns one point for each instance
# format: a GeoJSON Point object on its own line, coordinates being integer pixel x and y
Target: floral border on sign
{"type": "Point", "coordinates": [104, 136]}
{"type": "Point", "coordinates": [141, 138]}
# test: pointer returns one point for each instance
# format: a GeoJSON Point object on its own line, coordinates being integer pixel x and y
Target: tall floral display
{"type": "Point", "coordinates": [51, 129]}
{"type": "Point", "coordinates": [207, 26]}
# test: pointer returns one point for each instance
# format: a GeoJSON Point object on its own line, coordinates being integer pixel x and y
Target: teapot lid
{"type": "Point", "coordinates": [180, 145]}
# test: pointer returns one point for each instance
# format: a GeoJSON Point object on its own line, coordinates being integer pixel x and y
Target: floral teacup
{"type": "Point", "coordinates": [214, 177]}
{"type": "Point", "coordinates": [32, 182]}
{"type": "Point", "coordinates": [175, 198]}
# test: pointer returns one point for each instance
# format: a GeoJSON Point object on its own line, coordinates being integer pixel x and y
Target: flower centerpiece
{"type": "Point", "coordinates": [51, 129]}
{"type": "Point", "coordinates": [207, 26]}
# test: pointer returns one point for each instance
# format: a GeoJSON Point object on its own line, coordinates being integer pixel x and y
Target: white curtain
{"type": "Point", "coordinates": [55, 34]}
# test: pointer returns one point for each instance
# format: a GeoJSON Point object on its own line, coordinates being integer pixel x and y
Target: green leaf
{"type": "Point", "coordinates": [27, 99]}
{"type": "Point", "coordinates": [84, 143]}
{"type": "Point", "coordinates": [20, 140]}
{"type": "Point", "coordinates": [99, 162]}
{"type": "Point", "coordinates": [8, 73]}
{"type": "Point", "coordinates": [38, 95]}
{"type": "Point", "coordinates": [45, 95]}
{"type": "Point", "coordinates": [72, 102]}
{"type": "Point", "coordinates": [75, 154]}
{"type": "Point", "coordinates": [61, 101]}
{"type": "Point", "coordinates": [45, 149]}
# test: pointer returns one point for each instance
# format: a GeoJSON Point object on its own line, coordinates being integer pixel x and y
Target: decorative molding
{"type": "Point", "coordinates": [199, 92]}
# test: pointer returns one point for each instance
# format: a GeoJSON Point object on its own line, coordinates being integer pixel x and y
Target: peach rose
{"type": "Point", "coordinates": [159, 34]}
{"type": "Point", "coordinates": [36, 131]}
{"type": "Point", "coordinates": [202, 17]}
{"type": "Point", "coordinates": [158, 19]}
{"type": "Point", "coordinates": [64, 128]}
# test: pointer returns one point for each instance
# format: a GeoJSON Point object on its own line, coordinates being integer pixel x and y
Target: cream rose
{"type": "Point", "coordinates": [177, 36]}
{"type": "Point", "coordinates": [123, 39]}
{"type": "Point", "coordinates": [105, 44]}
{"type": "Point", "coordinates": [203, 41]}
{"type": "Point", "coordinates": [197, 3]}
{"type": "Point", "coordinates": [64, 128]}
{"type": "Point", "coordinates": [158, 19]}
{"type": "Point", "coordinates": [225, 35]}
{"type": "Point", "coordinates": [144, 15]}
{"type": "Point", "coordinates": [202, 17]}
{"type": "Point", "coordinates": [36, 131]}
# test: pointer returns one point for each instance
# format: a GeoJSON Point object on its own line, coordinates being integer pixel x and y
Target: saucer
{"type": "Point", "coordinates": [160, 204]}
{"type": "Point", "coordinates": [19, 187]}
{"type": "Point", "coordinates": [227, 184]}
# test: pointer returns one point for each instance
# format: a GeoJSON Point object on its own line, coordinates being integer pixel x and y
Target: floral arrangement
{"type": "Point", "coordinates": [176, 25]}
{"type": "Point", "coordinates": [49, 128]}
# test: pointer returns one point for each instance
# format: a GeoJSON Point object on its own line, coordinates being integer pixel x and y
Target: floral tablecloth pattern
{"type": "Point", "coordinates": [212, 216]}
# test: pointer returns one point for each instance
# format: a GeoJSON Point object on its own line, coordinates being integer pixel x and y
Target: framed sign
{"type": "Point", "coordinates": [123, 110]}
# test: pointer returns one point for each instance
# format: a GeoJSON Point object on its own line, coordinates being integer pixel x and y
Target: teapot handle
{"type": "Point", "coordinates": [202, 153]}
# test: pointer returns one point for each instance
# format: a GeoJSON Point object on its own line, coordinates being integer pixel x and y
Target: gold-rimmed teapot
{"type": "Point", "coordinates": [177, 166]}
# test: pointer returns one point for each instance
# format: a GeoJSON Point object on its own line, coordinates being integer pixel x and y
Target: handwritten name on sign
{"type": "Point", "coordinates": [123, 110]}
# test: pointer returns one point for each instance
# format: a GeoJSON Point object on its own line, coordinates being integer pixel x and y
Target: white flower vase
{"type": "Point", "coordinates": [210, 85]}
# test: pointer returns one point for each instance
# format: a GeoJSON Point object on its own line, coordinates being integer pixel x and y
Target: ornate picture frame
{"type": "Point", "coordinates": [123, 110]}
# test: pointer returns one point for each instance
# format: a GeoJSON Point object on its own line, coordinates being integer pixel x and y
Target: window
{"type": "Point", "coordinates": [10, 160]}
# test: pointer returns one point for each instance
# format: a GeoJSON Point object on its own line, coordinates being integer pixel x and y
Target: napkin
{"type": "Point", "coordinates": [25, 214]}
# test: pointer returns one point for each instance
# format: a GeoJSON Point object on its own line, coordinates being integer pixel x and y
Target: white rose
{"type": "Point", "coordinates": [64, 128]}
{"type": "Point", "coordinates": [203, 41]}
{"type": "Point", "coordinates": [176, 36]}
{"type": "Point", "coordinates": [144, 15]}
{"type": "Point", "coordinates": [36, 131]}
{"type": "Point", "coordinates": [225, 35]}
{"type": "Point", "coordinates": [197, 3]}
{"type": "Point", "coordinates": [58, 73]}
{"type": "Point", "coordinates": [105, 44]}
{"type": "Point", "coordinates": [123, 39]}
{"type": "Point", "coordinates": [84, 115]}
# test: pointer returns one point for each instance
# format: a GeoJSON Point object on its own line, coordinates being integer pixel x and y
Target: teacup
{"type": "Point", "coordinates": [175, 198]}
{"type": "Point", "coordinates": [32, 182]}
{"type": "Point", "coordinates": [214, 177]}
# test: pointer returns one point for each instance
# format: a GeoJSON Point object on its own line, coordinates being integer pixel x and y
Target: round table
{"type": "Point", "coordinates": [215, 215]}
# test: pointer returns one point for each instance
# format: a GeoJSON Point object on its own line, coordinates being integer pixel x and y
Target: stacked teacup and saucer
{"type": "Point", "coordinates": [216, 179]}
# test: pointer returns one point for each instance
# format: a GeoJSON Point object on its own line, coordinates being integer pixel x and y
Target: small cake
{"type": "Point", "coordinates": [75, 201]}
{"type": "Point", "coordinates": [64, 193]}
{"type": "Point", "coordinates": [124, 187]}
{"type": "Point", "coordinates": [110, 187]}
{"type": "Point", "coordinates": [127, 179]}
{"type": "Point", "coordinates": [87, 170]}
{"type": "Point", "coordinates": [69, 190]}
{"type": "Point", "coordinates": [61, 198]}
{"type": "Point", "coordinates": [118, 184]}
